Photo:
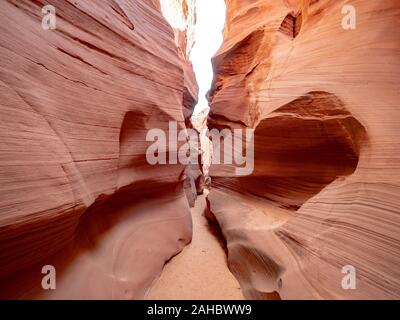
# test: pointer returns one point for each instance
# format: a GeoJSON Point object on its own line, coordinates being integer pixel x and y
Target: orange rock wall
{"type": "Point", "coordinates": [77, 192]}
{"type": "Point", "coordinates": [324, 105]}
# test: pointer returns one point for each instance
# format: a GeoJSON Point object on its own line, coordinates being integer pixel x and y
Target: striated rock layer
{"type": "Point", "coordinates": [77, 102]}
{"type": "Point", "coordinates": [324, 105]}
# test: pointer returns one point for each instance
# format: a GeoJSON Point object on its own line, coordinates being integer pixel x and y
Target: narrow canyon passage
{"type": "Point", "coordinates": [109, 107]}
{"type": "Point", "coordinates": [200, 271]}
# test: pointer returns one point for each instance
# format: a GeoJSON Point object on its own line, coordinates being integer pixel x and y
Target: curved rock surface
{"type": "Point", "coordinates": [77, 101]}
{"type": "Point", "coordinates": [323, 102]}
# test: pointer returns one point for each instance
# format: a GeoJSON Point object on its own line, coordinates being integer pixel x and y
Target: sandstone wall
{"type": "Point", "coordinates": [324, 105]}
{"type": "Point", "coordinates": [76, 104]}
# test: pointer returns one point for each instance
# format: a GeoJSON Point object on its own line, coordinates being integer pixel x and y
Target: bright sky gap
{"type": "Point", "coordinates": [208, 36]}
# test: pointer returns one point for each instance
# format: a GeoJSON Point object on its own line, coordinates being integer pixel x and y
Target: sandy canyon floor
{"type": "Point", "coordinates": [200, 271]}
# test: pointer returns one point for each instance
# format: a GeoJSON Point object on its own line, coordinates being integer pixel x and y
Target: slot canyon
{"type": "Point", "coordinates": [79, 194]}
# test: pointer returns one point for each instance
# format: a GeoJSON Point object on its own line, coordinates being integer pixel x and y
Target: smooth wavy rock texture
{"type": "Point", "coordinates": [323, 102]}
{"type": "Point", "coordinates": [76, 189]}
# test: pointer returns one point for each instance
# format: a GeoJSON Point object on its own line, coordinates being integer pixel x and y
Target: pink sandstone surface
{"type": "Point", "coordinates": [77, 101]}
{"type": "Point", "coordinates": [324, 105]}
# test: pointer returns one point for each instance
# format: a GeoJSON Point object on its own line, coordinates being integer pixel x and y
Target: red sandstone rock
{"type": "Point", "coordinates": [324, 105]}
{"type": "Point", "coordinates": [77, 192]}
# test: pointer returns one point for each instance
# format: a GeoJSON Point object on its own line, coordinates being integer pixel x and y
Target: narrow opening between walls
{"type": "Point", "coordinates": [208, 39]}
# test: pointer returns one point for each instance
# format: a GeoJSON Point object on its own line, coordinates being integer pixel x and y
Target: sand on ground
{"type": "Point", "coordinates": [200, 271]}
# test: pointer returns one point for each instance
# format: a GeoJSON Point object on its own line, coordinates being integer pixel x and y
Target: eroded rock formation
{"type": "Point", "coordinates": [77, 102]}
{"type": "Point", "coordinates": [199, 171]}
{"type": "Point", "coordinates": [323, 102]}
